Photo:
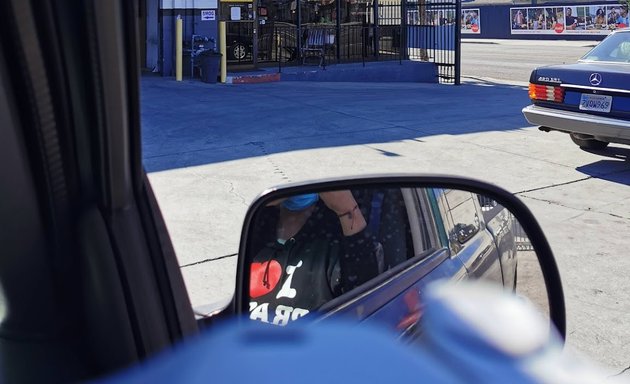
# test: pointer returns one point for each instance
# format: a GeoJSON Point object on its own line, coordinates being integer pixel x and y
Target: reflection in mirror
{"type": "Point", "coordinates": [513, 242]}
{"type": "Point", "coordinates": [369, 252]}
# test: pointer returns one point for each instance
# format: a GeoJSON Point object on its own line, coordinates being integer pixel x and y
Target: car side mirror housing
{"type": "Point", "coordinates": [364, 248]}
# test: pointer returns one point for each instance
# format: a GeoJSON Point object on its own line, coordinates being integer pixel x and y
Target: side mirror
{"type": "Point", "coordinates": [366, 247]}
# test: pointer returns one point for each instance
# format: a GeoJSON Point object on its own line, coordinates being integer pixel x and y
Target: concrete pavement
{"type": "Point", "coordinates": [210, 149]}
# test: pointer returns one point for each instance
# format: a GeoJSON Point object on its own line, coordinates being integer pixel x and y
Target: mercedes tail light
{"type": "Point", "coordinates": [546, 92]}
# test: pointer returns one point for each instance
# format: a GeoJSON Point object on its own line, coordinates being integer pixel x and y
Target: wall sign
{"type": "Point", "coordinates": [208, 15]}
{"type": "Point", "coordinates": [569, 20]}
{"type": "Point", "coordinates": [471, 21]}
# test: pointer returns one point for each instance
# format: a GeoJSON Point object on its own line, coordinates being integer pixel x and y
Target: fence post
{"type": "Point", "coordinates": [403, 33]}
{"type": "Point", "coordinates": [298, 57]}
{"type": "Point", "coordinates": [278, 46]}
{"type": "Point", "coordinates": [377, 30]}
{"type": "Point", "coordinates": [458, 41]}
{"type": "Point", "coordinates": [255, 34]}
{"type": "Point", "coordinates": [364, 34]}
{"type": "Point", "coordinates": [338, 32]}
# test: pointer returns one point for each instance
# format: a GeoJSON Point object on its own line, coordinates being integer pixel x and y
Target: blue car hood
{"type": "Point", "coordinates": [614, 75]}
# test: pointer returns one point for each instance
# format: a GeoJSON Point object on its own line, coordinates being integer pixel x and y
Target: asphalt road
{"type": "Point", "coordinates": [513, 60]}
{"type": "Point", "coordinates": [210, 149]}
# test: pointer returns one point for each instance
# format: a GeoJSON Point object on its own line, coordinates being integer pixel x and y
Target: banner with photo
{"type": "Point", "coordinates": [569, 20]}
{"type": "Point", "coordinates": [471, 21]}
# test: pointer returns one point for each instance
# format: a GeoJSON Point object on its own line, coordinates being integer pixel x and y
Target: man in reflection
{"type": "Point", "coordinates": [321, 250]}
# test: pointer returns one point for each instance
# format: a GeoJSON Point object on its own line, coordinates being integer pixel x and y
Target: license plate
{"type": "Point", "coordinates": [598, 103]}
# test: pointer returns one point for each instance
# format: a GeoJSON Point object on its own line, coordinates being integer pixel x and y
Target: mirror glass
{"type": "Point", "coordinates": [368, 252]}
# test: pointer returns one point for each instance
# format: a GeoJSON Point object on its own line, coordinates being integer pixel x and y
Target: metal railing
{"type": "Point", "coordinates": [277, 43]}
{"type": "Point", "coordinates": [433, 35]}
{"type": "Point", "coordinates": [343, 44]}
{"type": "Point", "coordinates": [422, 31]}
{"type": "Point", "coordinates": [522, 240]}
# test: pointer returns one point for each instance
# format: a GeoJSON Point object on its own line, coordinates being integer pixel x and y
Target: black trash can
{"type": "Point", "coordinates": [186, 60]}
{"type": "Point", "coordinates": [210, 64]}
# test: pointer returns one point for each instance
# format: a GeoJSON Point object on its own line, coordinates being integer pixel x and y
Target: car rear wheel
{"type": "Point", "coordinates": [587, 142]}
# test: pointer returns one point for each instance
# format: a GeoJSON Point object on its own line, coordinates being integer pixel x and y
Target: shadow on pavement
{"type": "Point", "coordinates": [616, 168]}
{"type": "Point", "coordinates": [191, 123]}
{"type": "Point", "coordinates": [621, 153]}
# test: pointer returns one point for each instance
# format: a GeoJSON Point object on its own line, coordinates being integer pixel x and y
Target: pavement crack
{"type": "Point", "coordinates": [232, 191]}
{"type": "Point", "coordinates": [557, 204]}
{"type": "Point", "coordinates": [231, 187]}
{"type": "Point", "coordinates": [622, 372]}
{"type": "Point", "coordinates": [554, 185]}
{"type": "Point", "coordinates": [600, 176]}
{"type": "Point", "coordinates": [516, 154]}
{"type": "Point", "coordinates": [581, 210]}
{"type": "Point", "coordinates": [617, 216]}
{"type": "Point", "coordinates": [274, 165]}
{"type": "Point", "coordinates": [207, 260]}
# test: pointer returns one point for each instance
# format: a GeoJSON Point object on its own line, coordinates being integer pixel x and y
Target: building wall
{"type": "Point", "coordinates": [496, 22]}
{"type": "Point", "coordinates": [191, 13]}
{"type": "Point", "coordinates": [152, 34]}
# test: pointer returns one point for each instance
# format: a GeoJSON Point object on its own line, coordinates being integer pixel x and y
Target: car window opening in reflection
{"type": "Point", "coordinates": [309, 251]}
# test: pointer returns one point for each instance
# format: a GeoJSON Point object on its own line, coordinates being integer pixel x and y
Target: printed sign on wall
{"type": "Point", "coordinates": [471, 21]}
{"type": "Point", "coordinates": [569, 20]}
{"type": "Point", "coordinates": [208, 15]}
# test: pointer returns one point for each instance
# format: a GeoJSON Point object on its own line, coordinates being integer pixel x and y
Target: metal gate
{"type": "Point", "coordinates": [422, 30]}
{"type": "Point", "coordinates": [425, 30]}
{"type": "Point", "coordinates": [434, 35]}
{"type": "Point", "coordinates": [239, 42]}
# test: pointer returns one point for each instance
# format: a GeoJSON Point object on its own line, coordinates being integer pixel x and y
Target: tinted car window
{"type": "Point", "coordinates": [615, 47]}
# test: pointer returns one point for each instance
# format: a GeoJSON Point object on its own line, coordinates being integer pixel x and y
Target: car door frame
{"type": "Point", "coordinates": [75, 80]}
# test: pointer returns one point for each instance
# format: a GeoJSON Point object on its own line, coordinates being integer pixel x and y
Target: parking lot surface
{"type": "Point", "coordinates": [210, 149]}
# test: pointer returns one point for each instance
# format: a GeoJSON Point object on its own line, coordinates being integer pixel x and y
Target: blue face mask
{"type": "Point", "coordinates": [300, 202]}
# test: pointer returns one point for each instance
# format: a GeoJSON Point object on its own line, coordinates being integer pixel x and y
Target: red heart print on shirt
{"type": "Point", "coordinates": [257, 286]}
